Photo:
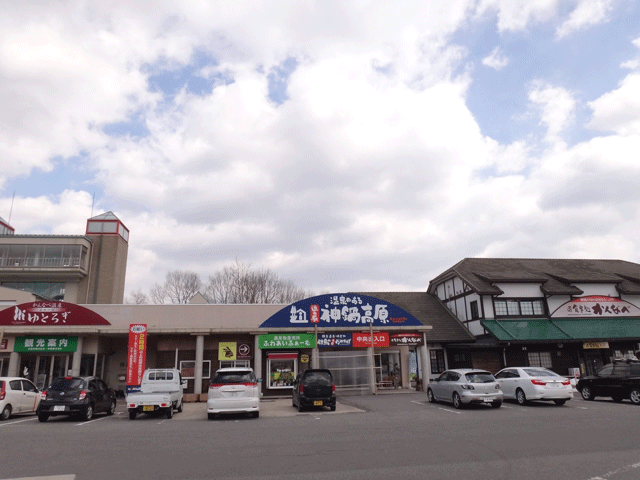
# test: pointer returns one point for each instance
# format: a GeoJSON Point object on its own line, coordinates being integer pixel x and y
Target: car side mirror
{"type": "Point", "coordinates": [184, 383]}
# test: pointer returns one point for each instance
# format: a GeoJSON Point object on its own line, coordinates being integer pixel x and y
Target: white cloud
{"type": "Point", "coordinates": [619, 110]}
{"type": "Point", "coordinates": [557, 107]}
{"type": "Point", "coordinates": [587, 13]}
{"type": "Point", "coordinates": [496, 59]}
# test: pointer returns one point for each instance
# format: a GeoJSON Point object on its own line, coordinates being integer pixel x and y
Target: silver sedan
{"type": "Point", "coordinates": [466, 386]}
{"type": "Point", "coordinates": [534, 383]}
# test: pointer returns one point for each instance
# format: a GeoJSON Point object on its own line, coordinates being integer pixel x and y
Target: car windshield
{"type": "Point", "coordinates": [539, 372]}
{"type": "Point", "coordinates": [479, 377]}
{"type": "Point", "coordinates": [66, 384]}
{"type": "Point", "coordinates": [233, 377]}
{"type": "Point", "coordinates": [319, 378]}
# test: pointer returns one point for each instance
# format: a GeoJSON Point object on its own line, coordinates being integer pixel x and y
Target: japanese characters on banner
{"type": "Point", "coordinates": [44, 343]}
{"type": "Point", "coordinates": [137, 354]}
{"type": "Point", "coordinates": [329, 340]}
{"type": "Point", "coordinates": [363, 339]}
{"type": "Point", "coordinates": [48, 313]}
{"type": "Point", "coordinates": [286, 340]}
{"type": "Point", "coordinates": [341, 310]}
{"type": "Point", "coordinates": [596, 306]}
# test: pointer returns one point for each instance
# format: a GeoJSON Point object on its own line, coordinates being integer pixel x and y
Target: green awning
{"type": "Point", "coordinates": [563, 329]}
{"type": "Point", "coordinates": [524, 330]}
{"type": "Point", "coordinates": [600, 328]}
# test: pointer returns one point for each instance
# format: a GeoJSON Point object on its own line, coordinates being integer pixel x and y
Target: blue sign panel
{"type": "Point", "coordinates": [341, 310]}
{"type": "Point", "coordinates": [335, 340]}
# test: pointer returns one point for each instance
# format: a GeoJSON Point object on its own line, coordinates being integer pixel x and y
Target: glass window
{"type": "Point", "coordinates": [15, 385]}
{"type": "Point", "coordinates": [65, 384]}
{"type": "Point", "coordinates": [27, 386]}
{"type": "Point", "coordinates": [282, 372]}
{"type": "Point", "coordinates": [475, 314]}
{"type": "Point", "coordinates": [479, 377]}
{"type": "Point", "coordinates": [516, 307]}
{"type": "Point", "coordinates": [230, 378]}
{"type": "Point", "coordinates": [188, 369]}
{"type": "Point", "coordinates": [540, 359]}
{"type": "Point", "coordinates": [437, 361]}
{"type": "Point", "coordinates": [535, 372]}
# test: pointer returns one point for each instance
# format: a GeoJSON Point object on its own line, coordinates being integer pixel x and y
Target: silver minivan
{"type": "Point", "coordinates": [466, 386]}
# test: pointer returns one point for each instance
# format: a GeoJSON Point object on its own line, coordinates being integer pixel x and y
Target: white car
{"type": "Point", "coordinates": [534, 383]}
{"type": "Point", "coordinates": [233, 390]}
{"type": "Point", "coordinates": [18, 395]}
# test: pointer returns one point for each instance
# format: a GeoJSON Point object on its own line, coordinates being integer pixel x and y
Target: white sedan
{"type": "Point", "coordinates": [534, 383]}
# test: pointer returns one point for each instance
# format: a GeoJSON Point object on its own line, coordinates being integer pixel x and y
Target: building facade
{"type": "Point", "coordinates": [571, 316]}
{"type": "Point", "coordinates": [84, 269]}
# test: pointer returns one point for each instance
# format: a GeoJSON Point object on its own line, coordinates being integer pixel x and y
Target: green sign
{"type": "Point", "coordinates": [44, 343]}
{"type": "Point", "coordinates": [286, 340]}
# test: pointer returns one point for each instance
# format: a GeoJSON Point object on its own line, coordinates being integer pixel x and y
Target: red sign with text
{"type": "Point", "coordinates": [315, 313]}
{"type": "Point", "coordinates": [48, 313]}
{"type": "Point", "coordinates": [137, 356]}
{"type": "Point", "coordinates": [363, 339]}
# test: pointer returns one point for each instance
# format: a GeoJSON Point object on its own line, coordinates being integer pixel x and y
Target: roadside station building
{"type": "Point", "coordinates": [61, 312]}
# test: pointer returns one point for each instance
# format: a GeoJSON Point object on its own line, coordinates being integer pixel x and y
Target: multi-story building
{"type": "Point", "coordinates": [568, 315]}
{"type": "Point", "coordinates": [86, 269]}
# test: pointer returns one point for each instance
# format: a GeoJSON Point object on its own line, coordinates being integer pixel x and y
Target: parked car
{"type": "Point", "coordinates": [17, 395]}
{"type": "Point", "coordinates": [79, 396]}
{"type": "Point", "coordinates": [233, 390]}
{"type": "Point", "coordinates": [161, 391]}
{"type": "Point", "coordinates": [534, 383]}
{"type": "Point", "coordinates": [314, 388]}
{"type": "Point", "coordinates": [618, 380]}
{"type": "Point", "coordinates": [466, 386]}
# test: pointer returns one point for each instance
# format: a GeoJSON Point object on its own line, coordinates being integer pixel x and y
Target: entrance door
{"type": "Point", "coordinates": [388, 369]}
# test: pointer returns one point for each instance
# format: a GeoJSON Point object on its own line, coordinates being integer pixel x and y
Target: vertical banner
{"type": "Point", "coordinates": [137, 354]}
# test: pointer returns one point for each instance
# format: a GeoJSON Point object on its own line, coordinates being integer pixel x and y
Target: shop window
{"type": "Point", "coordinates": [86, 364]}
{"type": "Point", "coordinates": [540, 359]}
{"type": "Point", "coordinates": [282, 368]}
{"type": "Point", "coordinates": [234, 364]}
{"type": "Point", "coordinates": [437, 361]}
{"type": "Point", "coordinates": [518, 308]}
{"type": "Point", "coordinates": [188, 369]}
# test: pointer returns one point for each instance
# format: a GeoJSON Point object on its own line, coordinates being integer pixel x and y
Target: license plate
{"type": "Point", "coordinates": [147, 408]}
{"type": "Point", "coordinates": [317, 403]}
{"type": "Point", "coordinates": [488, 400]}
{"type": "Point", "coordinates": [59, 408]}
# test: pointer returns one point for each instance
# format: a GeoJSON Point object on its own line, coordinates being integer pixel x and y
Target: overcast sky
{"type": "Point", "coordinates": [345, 145]}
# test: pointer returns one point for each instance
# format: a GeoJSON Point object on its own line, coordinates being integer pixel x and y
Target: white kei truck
{"type": "Point", "coordinates": [160, 392]}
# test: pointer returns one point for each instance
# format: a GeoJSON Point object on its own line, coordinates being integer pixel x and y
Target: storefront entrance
{"type": "Point", "coordinates": [41, 369]}
{"type": "Point", "coordinates": [388, 373]}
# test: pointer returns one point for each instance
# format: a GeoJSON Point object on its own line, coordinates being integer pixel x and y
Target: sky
{"type": "Point", "coordinates": [344, 145]}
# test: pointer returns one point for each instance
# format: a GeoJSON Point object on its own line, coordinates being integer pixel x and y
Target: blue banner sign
{"type": "Point", "coordinates": [341, 310]}
{"type": "Point", "coordinates": [327, 340]}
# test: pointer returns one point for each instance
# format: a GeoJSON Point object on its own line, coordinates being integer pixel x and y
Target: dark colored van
{"type": "Point", "coordinates": [314, 388]}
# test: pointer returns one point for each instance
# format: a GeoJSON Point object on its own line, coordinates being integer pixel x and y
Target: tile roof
{"type": "Point", "coordinates": [556, 275]}
{"type": "Point", "coordinates": [430, 311]}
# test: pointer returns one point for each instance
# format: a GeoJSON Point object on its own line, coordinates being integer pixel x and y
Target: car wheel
{"type": "Point", "coordinates": [521, 397]}
{"type": "Point", "coordinates": [299, 406]}
{"type": "Point", "coordinates": [617, 399]}
{"type": "Point", "coordinates": [333, 408]}
{"type": "Point", "coordinates": [170, 412]}
{"type": "Point", "coordinates": [112, 408]}
{"type": "Point", "coordinates": [256, 414]}
{"type": "Point", "coordinates": [43, 417]}
{"type": "Point", "coordinates": [457, 402]}
{"type": "Point", "coordinates": [559, 402]}
{"type": "Point", "coordinates": [88, 413]}
{"type": "Point", "coordinates": [430, 396]}
{"type": "Point", "coordinates": [211, 416]}
{"type": "Point", "coordinates": [132, 415]}
{"type": "Point", "coordinates": [496, 404]}
{"type": "Point", "coordinates": [586, 393]}
{"type": "Point", "coordinates": [180, 407]}
{"type": "Point", "coordinates": [293, 402]}
{"type": "Point", "coordinates": [635, 396]}
{"type": "Point", "coordinates": [6, 412]}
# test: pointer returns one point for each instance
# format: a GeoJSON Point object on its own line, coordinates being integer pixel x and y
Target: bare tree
{"type": "Point", "coordinates": [178, 287]}
{"type": "Point", "coordinates": [137, 298]}
{"type": "Point", "coordinates": [240, 284]}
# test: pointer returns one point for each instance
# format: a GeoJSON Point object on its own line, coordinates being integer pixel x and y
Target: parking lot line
{"type": "Point", "coordinates": [447, 410]}
{"type": "Point", "coordinates": [92, 421]}
{"type": "Point", "coordinates": [5, 424]}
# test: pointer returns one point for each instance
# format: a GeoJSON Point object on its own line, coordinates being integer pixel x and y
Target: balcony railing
{"type": "Point", "coordinates": [40, 262]}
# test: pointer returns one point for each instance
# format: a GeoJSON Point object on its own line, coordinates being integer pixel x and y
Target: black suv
{"type": "Point", "coordinates": [618, 380]}
{"type": "Point", "coordinates": [314, 388]}
{"type": "Point", "coordinates": [80, 396]}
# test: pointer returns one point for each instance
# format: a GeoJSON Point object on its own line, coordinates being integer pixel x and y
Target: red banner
{"type": "Point", "coordinates": [363, 339]}
{"type": "Point", "coordinates": [137, 353]}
